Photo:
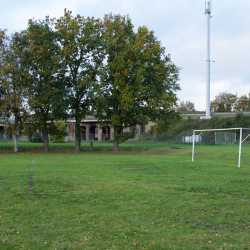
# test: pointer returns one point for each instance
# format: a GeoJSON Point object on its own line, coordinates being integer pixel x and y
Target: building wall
{"type": "Point", "coordinates": [89, 135]}
{"type": "Point", "coordinates": [87, 127]}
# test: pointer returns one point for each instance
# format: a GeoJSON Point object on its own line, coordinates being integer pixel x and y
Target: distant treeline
{"type": "Point", "coordinates": [186, 126]}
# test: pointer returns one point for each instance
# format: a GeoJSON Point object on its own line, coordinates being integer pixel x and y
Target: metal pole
{"type": "Point", "coordinates": [240, 142]}
{"type": "Point", "coordinates": [208, 65]}
{"type": "Point", "coordinates": [193, 147]}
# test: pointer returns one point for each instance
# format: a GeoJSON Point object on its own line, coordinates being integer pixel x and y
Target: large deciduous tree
{"type": "Point", "coordinates": [3, 46]}
{"type": "Point", "coordinates": [47, 88]}
{"type": "Point", "coordinates": [14, 90]}
{"type": "Point", "coordinates": [81, 44]}
{"type": "Point", "coordinates": [138, 81]}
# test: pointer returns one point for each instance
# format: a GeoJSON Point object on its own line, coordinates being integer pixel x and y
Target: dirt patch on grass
{"type": "Point", "coordinates": [215, 228]}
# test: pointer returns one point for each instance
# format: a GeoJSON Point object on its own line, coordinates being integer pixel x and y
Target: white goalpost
{"type": "Point", "coordinates": [225, 129]}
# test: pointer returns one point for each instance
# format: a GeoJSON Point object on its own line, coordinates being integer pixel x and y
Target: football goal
{"type": "Point", "coordinates": [223, 136]}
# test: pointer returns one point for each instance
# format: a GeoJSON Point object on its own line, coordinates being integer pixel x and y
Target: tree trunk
{"type": "Point", "coordinates": [116, 140]}
{"type": "Point", "coordinates": [16, 134]}
{"type": "Point", "coordinates": [78, 135]}
{"type": "Point", "coordinates": [77, 148]}
{"type": "Point", "coordinates": [16, 141]}
{"type": "Point", "coordinates": [46, 142]}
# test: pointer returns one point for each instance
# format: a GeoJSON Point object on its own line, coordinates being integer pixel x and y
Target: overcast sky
{"type": "Point", "coordinates": [181, 27]}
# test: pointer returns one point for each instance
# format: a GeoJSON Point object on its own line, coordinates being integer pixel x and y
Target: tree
{"type": "Point", "coordinates": [46, 80]}
{"type": "Point", "coordinates": [1, 100]}
{"type": "Point", "coordinates": [13, 87]}
{"type": "Point", "coordinates": [61, 131]}
{"type": "Point", "coordinates": [3, 45]}
{"type": "Point", "coordinates": [185, 106]}
{"type": "Point", "coordinates": [80, 40]}
{"type": "Point", "coordinates": [243, 103]}
{"type": "Point", "coordinates": [224, 102]}
{"type": "Point", "coordinates": [138, 80]}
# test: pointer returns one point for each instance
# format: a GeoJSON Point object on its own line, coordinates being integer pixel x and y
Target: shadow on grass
{"type": "Point", "coordinates": [64, 150]}
{"type": "Point", "coordinates": [97, 147]}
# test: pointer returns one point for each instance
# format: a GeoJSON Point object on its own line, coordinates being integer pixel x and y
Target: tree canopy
{"type": "Point", "coordinates": [185, 106]}
{"type": "Point", "coordinates": [243, 103]}
{"type": "Point", "coordinates": [46, 78]}
{"type": "Point", "coordinates": [80, 40]}
{"type": "Point", "coordinates": [74, 66]}
{"type": "Point", "coordinates": [3, 45]}
{"type": "Point", "coordinates": [227, 102]}
{"type": "Point", "coordinates": [138, 81]}
{"type": "Point", "coordinates": [13, 88]}
{"type": "Point", "coordinates": [224, 102]}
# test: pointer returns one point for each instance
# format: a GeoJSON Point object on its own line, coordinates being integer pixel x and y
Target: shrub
{"type": "Point", "coordinates": [36, 138]}
{"type": "Point", "coordinates": [60, 131]}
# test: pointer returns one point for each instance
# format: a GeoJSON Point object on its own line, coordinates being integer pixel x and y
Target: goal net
{"type": "Point", "coordinates": [221, 137]}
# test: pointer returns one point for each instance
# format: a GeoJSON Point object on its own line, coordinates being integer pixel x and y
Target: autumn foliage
{"type": "Point", "coordinates": [73, 66]}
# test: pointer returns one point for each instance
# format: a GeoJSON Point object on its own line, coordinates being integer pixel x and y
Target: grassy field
{"type": "Point", "coordinates": [149, 196]}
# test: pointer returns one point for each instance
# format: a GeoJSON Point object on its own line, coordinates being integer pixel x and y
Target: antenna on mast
{"type": "Point", "coordinates": [208, 7]}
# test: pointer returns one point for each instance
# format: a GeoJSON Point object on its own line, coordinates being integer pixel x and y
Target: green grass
{"type": "Point", "coordinates": [8, 147]}
{"type": "Point", "coordinates": [150, 196]}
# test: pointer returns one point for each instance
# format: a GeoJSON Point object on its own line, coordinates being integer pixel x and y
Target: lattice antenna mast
{"type": "Point", "coordinates": [207, 13]}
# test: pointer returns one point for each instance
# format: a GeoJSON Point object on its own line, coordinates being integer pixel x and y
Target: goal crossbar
{"type": "Point", "coordinates": [210, 130]}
